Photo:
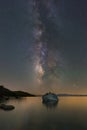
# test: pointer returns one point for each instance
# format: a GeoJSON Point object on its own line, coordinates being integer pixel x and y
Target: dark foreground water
{"type": "Point", "coordinates": [30, 114]}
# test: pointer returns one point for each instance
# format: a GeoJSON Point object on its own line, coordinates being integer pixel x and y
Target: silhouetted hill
{"type": "Point", "coordinates": [8, 93]}
{"type": "Point", "coordinates": [23, 94]}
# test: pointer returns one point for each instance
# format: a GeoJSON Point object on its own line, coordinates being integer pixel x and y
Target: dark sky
{"type": "Point", "coordinates": [66, 32]}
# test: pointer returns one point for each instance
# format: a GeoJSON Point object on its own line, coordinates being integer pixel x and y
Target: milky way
{"type": "Point", "coordinates": [47, 60]}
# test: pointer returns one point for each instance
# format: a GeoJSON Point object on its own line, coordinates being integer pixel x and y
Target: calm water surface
{"type": "Point", "coordinates": [31, 114]}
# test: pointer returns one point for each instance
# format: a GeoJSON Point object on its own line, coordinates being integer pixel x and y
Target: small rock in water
{"type": "Point", "coordinates": [50, 97]}
{"type": "Point", "coordinates": [6, 107]}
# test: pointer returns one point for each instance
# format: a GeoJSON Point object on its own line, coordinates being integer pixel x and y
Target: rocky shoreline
{"type": "Point", "coordinates": [6, 94]}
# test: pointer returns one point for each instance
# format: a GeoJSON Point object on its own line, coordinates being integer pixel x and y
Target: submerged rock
{"type": "Point", "coordinates": [50, 97]}
{"type": "Point", "coordinates": [6, 107]}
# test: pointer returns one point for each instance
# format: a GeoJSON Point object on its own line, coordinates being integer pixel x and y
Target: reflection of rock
{"type": "Point", "coordinates": [50, 97]}
{"type": "Point", "coordinates": [50, 104]}
{"type": "Point", "coordinates": [6, 107]}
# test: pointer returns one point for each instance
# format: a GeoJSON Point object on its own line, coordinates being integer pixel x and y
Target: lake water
{"type": "Point", "coordinates": [31, 114]}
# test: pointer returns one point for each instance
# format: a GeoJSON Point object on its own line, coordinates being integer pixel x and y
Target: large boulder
{"type": "Point", "coordinates": [50, 97]}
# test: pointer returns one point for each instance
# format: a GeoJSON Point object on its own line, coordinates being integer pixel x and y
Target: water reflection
{"type": "Point", "coordinates": [50, 104]}
{"type": "Point", "coordinates": [30, 113]}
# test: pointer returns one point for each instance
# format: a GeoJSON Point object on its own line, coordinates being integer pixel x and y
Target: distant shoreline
{"type": "Point", "coordinates": [67, 95]}
{"type": "Point", "coordinates": [80, 95]}
{"type": "Point", "coordinates": [6, 93]}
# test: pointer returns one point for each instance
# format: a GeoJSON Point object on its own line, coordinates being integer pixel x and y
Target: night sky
{"type": "Point", "coordinates": [43, 45]}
